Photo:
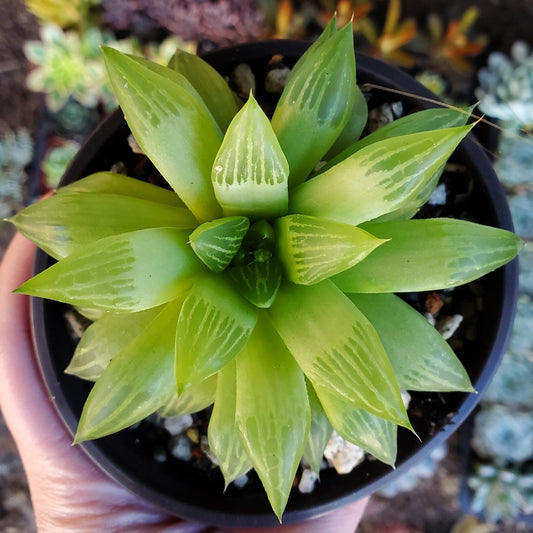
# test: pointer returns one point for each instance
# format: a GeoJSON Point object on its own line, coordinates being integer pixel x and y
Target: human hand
{"type": "Point", "coordinates": [69, 493]}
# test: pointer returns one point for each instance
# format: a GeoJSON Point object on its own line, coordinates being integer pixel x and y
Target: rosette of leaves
{"type": "Point", "coordinates": [500, 493]}
{"type": "Point", "coordinates": [251, 285]}
{"type": "Point", "coordinates": [505, 87]}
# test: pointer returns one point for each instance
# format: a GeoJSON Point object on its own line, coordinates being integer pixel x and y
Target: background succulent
{"type": "Point", "coordinates": [254, 286]}
{"type": "Point", "coordinates": [501, 493]}
{"type": "Point", "coordinates": [506, 86]}
{"type": "Point", "coordinates": [16, 152]}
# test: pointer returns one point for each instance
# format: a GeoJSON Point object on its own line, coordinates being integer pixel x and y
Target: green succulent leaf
{"type": "Point", "coordinates": [113, 183]}
{"type": "Point", "coordinates": [223, 434]}
{"type": "Point", "coordinates": [429, 254]}
{"type": "Point", "coordinates": [66, 223]}
{"type": "Point", "coordinates": [370, 432]}
{"type": "Point", "coordinates": [353, 128]}
{"type": "Point", "coordinates": [418, 122]}
{"type": "Point", "coordinates": [217, 242]}
{"type": "Point", "coordinates": [123, 273]}
{"type": "Point", "coordinates": [312, 249]}
{"type": "Point", "coordinates": [429, 364]}
{"type": "Point", "coordinates": [258, 281]}
{"type": "Point", "coordinates": [250, 170]}
{"type": "Point", "coordinates": [337, 348]}
{"type": "Point", "coordinates": [319, 432]}
{"type": "Point", "coordinates": [378, 179]}
{"type": "Point", "coordinates": [317, 102]}
{"type": "Point", "coordinates": [214, 325]}
{"type": "Point", "coordinates": [272, 411]}
{"type": "Point", "coordinates": [137, 381]}
{"type": "Point", "coordinates": [210, 85]}
{"type": "Point", "coordinates": [193, 399]}
{"type": "Point", "coordinates": [173, 128]}
{"type": "Point", "coordinates": [104, 339]}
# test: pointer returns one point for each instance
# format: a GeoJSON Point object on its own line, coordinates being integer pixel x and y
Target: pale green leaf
{"type": "Point", "coordinates": [370, 432]}
{"type": "Point", "coordinates": [210, 85]}
{"type": "Point", "coordinates": [353, 128]}
{"type": "Point", "coordinates": [272, 411]}
{"type": "Point", "coordinates": [258, 281]}
{"type": "Point", "coordinates": [214, 325]}
{"type": "Point", "coordinates": [66, 223]}
{"type": "Point", "coordinates": [250, 171]}
{"type": "Point", "coordinates": [217, 242]}
{"type": "Point", "coordinates": [113, 183]}
{"type": "Point", "coordinates": [193, 399]}
{"type": "Point", "coordinates": [124, 273]}
{"type": "Point", "coordinates": [104, 339]}
{"type": "Point", "coordinates": [312, 249]}
{"type": "Point", "coordinates": [319, 432]}
{"type": "Point", "coordinates": [378, 179]}
{"type": "Point", "coordinates": [316, 102]}
{"type": "Point", "coordinates": [429, 254]}
{"type": "Point", "coordinates": [421, 358]}
{"type": "Point", "coordinates": [223, 433]}
{"type": "Point", "coordinates": [136, 383]}
{"type": "Point", "coordinates": [337, 348]}
{"type": "Point", "coordinates": [172, 126]}
{"type": "Point", "coordinates": [418, 122]}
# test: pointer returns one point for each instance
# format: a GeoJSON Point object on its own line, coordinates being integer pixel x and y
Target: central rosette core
{"type": "Point", "coordinates": [244, 253]}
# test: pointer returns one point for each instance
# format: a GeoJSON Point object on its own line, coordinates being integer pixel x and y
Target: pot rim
{"type": "Point", "coordinates": [383, 75]}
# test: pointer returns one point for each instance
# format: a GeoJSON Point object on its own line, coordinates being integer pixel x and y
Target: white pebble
{"type": "Point", "coordinates": [276, 80]}
{"type": "Point", "coordinates": [448, 325]}
{"type": "Point", "coordinates": [308, 481]}
{"type": "Point", "coordinates": [438, 197]}
{"type": "Point", "coordinates": [178, 424]}
{"type": "Point", "coordinates": [241, 481]}
{"type": "Point", "coordinates": [343, 455]}
{"type": "Point", "coordinates": [181, 448]}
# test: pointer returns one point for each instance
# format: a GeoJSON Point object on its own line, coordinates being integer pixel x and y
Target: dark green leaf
{"type": "Point", "coordinates": [250, 171]}
{"type": "Point", "coordinates": [337, 348]}
{"type": "Point", "coordinates": [217, 242]}
{"type": "Point", "coordinates": [137, 382]}
{"type": "Point", "coordinates": [379, 179]}
{"type": "Point", "coordinates": [223, 433]}
{"type": "Point", "coordinates": [214, 325]}
{"type": "Point", "coordinates": [421, 358]}
{"type": "Point", "coordinates": [210, 85]}
{"type": "Point", "coordinates": [68, 222]}
{"type": "Point", "coordinates": [258, 281]}
{"type": "Point", "coordinates": [312, 249]}
{"type": "Point", "coordinates": [316, 102]}
{"type": "Point", "coordinates": [272, 411]}
{"type": "Point", "coordinates": [172, 126]}
{"type": "Point", "coordinates": [429, 254]}
{"type": "Point", "coordinates": [124, 273]}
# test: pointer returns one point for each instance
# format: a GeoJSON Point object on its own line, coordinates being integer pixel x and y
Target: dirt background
{"type": "Point", "coordinates": [433, 506]}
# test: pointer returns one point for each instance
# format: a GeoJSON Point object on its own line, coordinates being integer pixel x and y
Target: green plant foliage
{"type": "Point", "coordinates": [255, 284]}
{"type": "Point", "coordinates": [16, 152]}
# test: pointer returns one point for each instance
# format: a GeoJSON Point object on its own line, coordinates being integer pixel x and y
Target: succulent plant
{"type": "Point", "coordinates": [506, 86]}
{"type": "Point", "coordinates": [63, 13]}
{"type": "Point", "coordinates": [252, 285]}
{"type": "Point", "coordinates": [56, 162]}
{"type": "Point", "coordinates": [513, 383]}
{"type": "Point", "coordinates": [68, 64]}
{"type": "Point", "coordinates": [500, 493]}
{"type": "Point", "coordinates": [16, 152]}
{"type": "Point", "coordinates": [503, 433]}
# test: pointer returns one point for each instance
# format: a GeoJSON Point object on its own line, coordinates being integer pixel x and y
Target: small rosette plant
{"type": "Point", "coordinates": [258, 283]}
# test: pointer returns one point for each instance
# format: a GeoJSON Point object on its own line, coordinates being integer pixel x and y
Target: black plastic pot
{"type": "Point", "coordinates": [198, 495]}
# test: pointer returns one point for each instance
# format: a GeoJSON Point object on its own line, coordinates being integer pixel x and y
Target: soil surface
{"type": "Point", "coordinates": [433, 506]}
